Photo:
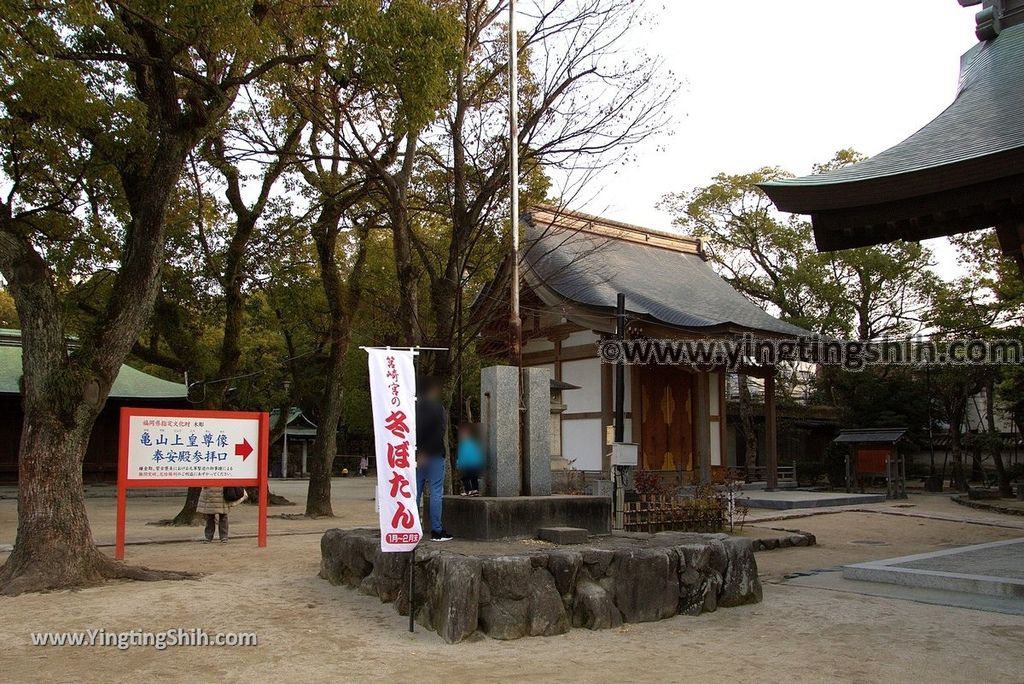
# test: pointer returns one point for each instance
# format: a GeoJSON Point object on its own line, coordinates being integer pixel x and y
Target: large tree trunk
{"type": "Point", "coordinates": [64, 392]}
{"type": "Point", "coordinates": [402, 238]}
{"type": "Point", "coordinates": [342, 305]}
{"type": "Point", "coordinates": [318, 496]}
{"type": "Point", "coordinates": [54, 546]}
{"type": "Point", "coordinates": [187, 515]}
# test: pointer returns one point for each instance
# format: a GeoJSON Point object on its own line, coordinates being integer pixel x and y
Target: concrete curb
{"type": "Point", "coordinates": [794, 538]}
{"type": "Point", "coordinates": [982, 506]}
{"type": "Point", "coordinates": [890, 571]}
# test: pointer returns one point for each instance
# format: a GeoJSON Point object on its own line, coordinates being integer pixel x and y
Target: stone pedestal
{"type": "Point", "coordinates": [486, 518]}
{"type": "Point", "coordinates": [537, 432]}
{"type": "Point", "coordinates": [508, 591]}
{"type": "Point", "coordinates": [499, 409]}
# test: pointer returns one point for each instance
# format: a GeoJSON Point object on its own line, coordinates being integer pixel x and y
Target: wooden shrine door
{"type": "Point", "coordinates": [666, 418]}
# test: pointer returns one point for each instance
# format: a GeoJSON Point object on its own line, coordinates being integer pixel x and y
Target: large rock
{"type": "Point", "coordinates": [592, 607]}
{"type": "Point", "coordinates": [563, 566]}
{"type": "Point", "coordinates": [598, 561]}
{"type": "Point", "coordinates": [699, 581]}
{"type": "Point", "coordinates": [504, 605]}
{"type": "Point", "coordinates": [502, 618]}
{"type": "Point", "coordinates": [453, 596]}
{"type": "Point", "coordinates": [545, 613]}
{"type": "Point", "coordinates": [646, 584]}
{"type": "Point", "coordinates": [507, 576]}
{"type": "Point", "coordinates": [390, 575]}
{"type": "Point", "coordinates": [346, 557]}
{"type": "Point", "coordinates": [740, 584]}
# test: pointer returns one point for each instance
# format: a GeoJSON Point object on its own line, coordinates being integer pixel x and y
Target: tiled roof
{"type": "Point", "coordinates": [871, 436]}
{"type": "Point", "coordinates": [675, 287]}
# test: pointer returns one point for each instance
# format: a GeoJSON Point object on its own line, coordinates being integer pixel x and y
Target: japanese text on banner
{"type": "Point", "coordinates": [393, 396]}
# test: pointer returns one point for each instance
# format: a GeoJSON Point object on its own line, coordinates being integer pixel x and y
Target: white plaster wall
{"type": "Point", "coordinates": [582, 443]}
{"type": "Point", "coordinates": [581, 337]}
{"type": "Point", "coordinates": [586, 374]}
{"type": "Point", "coordinates": [716, 444]}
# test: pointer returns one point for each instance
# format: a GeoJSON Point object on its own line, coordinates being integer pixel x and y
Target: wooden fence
{"type": "Point", "coordinates": [658, 513]}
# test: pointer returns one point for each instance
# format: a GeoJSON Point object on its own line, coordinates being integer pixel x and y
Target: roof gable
{"type": "Point", "coordinates": [672, 286]}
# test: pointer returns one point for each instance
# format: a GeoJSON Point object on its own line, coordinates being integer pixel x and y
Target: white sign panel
{"type": "Point", "coordinates": [393, 396]}
{"type": "Point", "coordinates": [192, 447]}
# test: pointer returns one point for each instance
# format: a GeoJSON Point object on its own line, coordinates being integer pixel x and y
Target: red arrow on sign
{"type": "Point", "coordinates": [243, 449]}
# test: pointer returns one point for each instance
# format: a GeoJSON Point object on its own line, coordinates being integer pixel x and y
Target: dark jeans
{"type": "Point", "coordinates": [471, 481]}
{"type": "Point", "coordinates": [212, 522]}
{"type": "Point", "coordinates": [430, 473]}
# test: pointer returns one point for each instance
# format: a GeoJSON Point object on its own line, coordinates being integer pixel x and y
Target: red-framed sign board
{"type": "Point", "coordinates": [185, 448]}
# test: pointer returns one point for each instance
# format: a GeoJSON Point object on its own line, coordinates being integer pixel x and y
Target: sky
{"type": "Point", "coordinates": [787, 83]}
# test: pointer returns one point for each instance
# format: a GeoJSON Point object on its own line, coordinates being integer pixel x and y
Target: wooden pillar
{"type": "Point", "coordinates": [771, 435]}
{"type": "Point", "coordinates": [702, 427]}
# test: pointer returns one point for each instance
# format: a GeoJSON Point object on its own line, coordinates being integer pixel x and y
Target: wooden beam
{"type": "Point", "coordinates": [702, 425]}
{"type": "Point", "coordinates": [575, 353]}
{"type": "Point", "coordinates": [636, 406]}
{"type": "Point", "coordinates": [771, 435]}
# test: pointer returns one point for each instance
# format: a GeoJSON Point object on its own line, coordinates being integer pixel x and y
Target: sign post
{"type": "Point", "coordinates": [184, 448]}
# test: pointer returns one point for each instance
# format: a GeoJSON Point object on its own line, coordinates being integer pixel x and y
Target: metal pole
{"type": "Point", "coordinates": [284, 449]}
{"type": "Point", "coordinates": [412, 590]}
{"type": "Point", "coordinates": [515, 324]}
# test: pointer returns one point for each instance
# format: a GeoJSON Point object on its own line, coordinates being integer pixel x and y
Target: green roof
{"type": "Point", "coordinates": [131, 383]}
{"type": "Point", "coordinates": [298, 423]}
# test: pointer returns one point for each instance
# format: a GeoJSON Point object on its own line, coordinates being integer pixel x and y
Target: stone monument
{"type": "Point", "coordinates": [518, 499]}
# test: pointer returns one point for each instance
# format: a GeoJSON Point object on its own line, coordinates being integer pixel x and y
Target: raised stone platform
{"type": "Point", "coordinates": [992, 569]}
{"type": "Point", "coordinates": [514, 589]}
{"type": "Point", "coordinates": [786, 500]}
{"type": "Point", "coordinates": [494, 517]}
{"type": "Point", "coordinates": [563, 535]}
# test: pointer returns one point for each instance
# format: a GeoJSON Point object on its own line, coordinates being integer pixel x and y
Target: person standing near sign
{"type": "Point", "coordinates": [430, 430]}
{"type": "Point", "coordinates": [214, 505]}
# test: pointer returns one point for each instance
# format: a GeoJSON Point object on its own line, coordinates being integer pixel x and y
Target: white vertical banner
{"type": "Point", "coordinates": [393, 396]}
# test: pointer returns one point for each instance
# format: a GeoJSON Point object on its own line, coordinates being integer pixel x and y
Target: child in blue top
{"type": "Point", "coordinates": [469, 460]}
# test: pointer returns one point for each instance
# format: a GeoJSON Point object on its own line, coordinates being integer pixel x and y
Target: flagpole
{"type": "Point", "coordinates": [515, 324]}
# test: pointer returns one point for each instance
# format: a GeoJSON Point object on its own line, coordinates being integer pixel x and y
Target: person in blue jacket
{"type": "Point", "coordinates": [469, 460]}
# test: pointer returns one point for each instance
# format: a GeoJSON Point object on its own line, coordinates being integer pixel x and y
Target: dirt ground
{"type": "Point", "coordinates": [310, 631]}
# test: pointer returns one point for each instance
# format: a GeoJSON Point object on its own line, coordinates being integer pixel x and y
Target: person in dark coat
{"type": "Point", "coordinates": [431, 424]}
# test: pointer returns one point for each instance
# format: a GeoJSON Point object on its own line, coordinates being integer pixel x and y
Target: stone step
{"type": "Point", "coordinates": [563, 535]}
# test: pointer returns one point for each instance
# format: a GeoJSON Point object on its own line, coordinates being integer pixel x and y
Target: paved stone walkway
{"type": "Point", "coordinates": [1006, 560]}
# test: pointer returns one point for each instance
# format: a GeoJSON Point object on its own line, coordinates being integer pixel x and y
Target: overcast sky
{"type": "Point", "coordinates": [787, 83]}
